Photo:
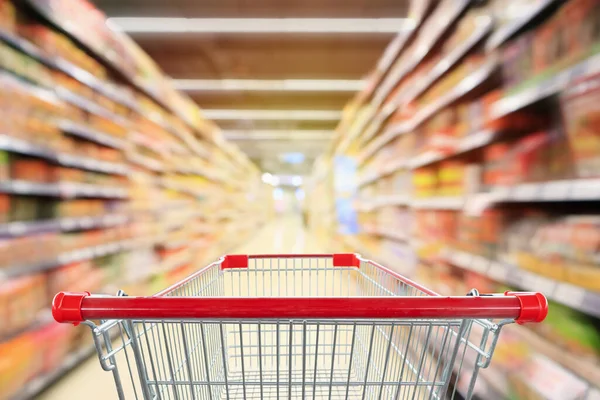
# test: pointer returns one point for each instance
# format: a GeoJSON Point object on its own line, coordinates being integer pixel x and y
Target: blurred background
{"type": "Point", "coordinates": [452, 141]}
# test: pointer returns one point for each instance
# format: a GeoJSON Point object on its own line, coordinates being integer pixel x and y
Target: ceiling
{"type": "Point", "coordinates": [266, 56]}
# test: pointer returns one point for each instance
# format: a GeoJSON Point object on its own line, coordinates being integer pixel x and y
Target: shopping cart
{"type": "Point", "coordinates": [296, 326]}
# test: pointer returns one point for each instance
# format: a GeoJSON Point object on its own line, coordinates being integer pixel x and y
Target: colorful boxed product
{"type": "Point", "coordinates": [425, 181]}
{"type": "Point", "coordinates": [22, 299]}
{"type": "Point", "coordinates": [495, 168]}
{"type": "Point", "coordinates": [528, 160]}
{"type": "Point", "coordinates": [517, 61]}
{"type": "Point", "coordinates": [577, 333]}
{"type": "Point", "coordinates": [581, 110]}
{"type": "Point", "coordinates": [17, 360]}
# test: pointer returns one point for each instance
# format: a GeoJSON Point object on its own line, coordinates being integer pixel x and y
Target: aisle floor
{"type": "Point", "coordinates": [285, 234]}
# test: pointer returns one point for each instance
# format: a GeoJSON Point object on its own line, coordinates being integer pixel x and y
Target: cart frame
{"type": "Point", "coordinates": [311, 326]}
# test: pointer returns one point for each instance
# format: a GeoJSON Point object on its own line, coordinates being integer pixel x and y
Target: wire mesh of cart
{"type": "Point", "coordinates": [297, 327]}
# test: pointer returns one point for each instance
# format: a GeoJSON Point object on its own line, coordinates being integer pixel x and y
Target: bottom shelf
{"type": "Point", "coordinates": [38, 384]}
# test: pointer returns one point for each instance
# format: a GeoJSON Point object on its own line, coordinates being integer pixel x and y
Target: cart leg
{"type": "Point", "coordinates": [106, 366]}
{"type": "Point", "coordinates": [463, 333]}
{"type": "Point", "coordinates": [141, 367]}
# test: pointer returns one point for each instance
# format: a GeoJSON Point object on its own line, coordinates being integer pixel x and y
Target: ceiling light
{"type": "Point", "coordinates": [314, 85]}
{"type": "Point", "coordinates": [267, 178]}
{"type": "Point", "coordinates": [292, 158]}
{"type": "Point", "coordinates": [278, 134]}
{"type": "Point", "coordinates": [295, 115]}
{"type": "Point", "coordinates": [260, 25]}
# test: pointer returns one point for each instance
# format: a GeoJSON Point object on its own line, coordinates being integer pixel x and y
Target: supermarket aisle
{"type": "Point", "coordinates": [285, 234]}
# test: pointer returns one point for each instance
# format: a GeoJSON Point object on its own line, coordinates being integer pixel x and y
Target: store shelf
{"type": "Point", "coordinates": [397, 74]}
{"type": "Point", "coordinates": [394, 49]}
{"type": "Point", "coordinates": [484, 27]}
{"type": "Point", "coordinates": [504, 33]}
{"type": "Point", "coordinates": [439, 203]}
{"type": "Point", "coordinates": [552, 191]}
{"type": "Point", "coordinates": [397, 236]}
{"type": "Point", "coordinates": [44, 9]}
{"type": "Point", "coordinates": [542, 89]}
{"type": "Point", "coordinates": [563, 190]}
{"type": "Point", "coordinates": [30, 188]}
{"type": "Point", "coordinates": [16, 145]}
{"type": "Point", "coordinates": [565, 293]}
{"type": "Point", "coordinates": [581, 366]}
{"type": "Point", "coordinates": [92, 164]}
{"type": "Point", "coordinates": [67, 67]}
{"type": "Point", "coordinates": [465, 86]}
{"type": "Point", "coordinates": [91, 134]}
{"type": "Point", "coordinates": [14, 229]}
{"type": "Point", "coordinates": [87, 253]}
{"type": "Point", "coordinates": [38, 384]}
{"type": "Point", "coordinates": [383, 201]}
{"type": "Point", "coordinates": [471, 142]}
{"type": "Point", "coordinates": [88, 105]}
{"type": "Point", "coordinates": [105, 221]}
{"type": "Point", "coordinates": [63, 189]}
{"type": "Point", "coordinates": [73, 189]}
{"type": "Point", "coordinates": [146, 162]}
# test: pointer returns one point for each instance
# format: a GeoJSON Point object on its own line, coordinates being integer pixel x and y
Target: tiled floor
{"type": "Point", "coordinates": [89, 382]}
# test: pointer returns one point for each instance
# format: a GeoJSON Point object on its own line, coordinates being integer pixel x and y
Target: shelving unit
{"type": "Point", "coordinates": [115, 162]}
{"type": "Point", "coordinates": [432, 117]}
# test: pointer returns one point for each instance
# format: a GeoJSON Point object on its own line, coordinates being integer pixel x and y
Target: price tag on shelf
{"type": "Point", "coordinates": [568, 294]}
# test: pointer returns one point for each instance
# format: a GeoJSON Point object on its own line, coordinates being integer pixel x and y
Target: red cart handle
{"type": "Point", "coordinates": [521, 306]}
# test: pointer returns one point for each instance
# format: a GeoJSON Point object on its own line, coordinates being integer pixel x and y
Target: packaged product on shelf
{"type": "Point", "coordinates": [425, 182]}
{"type": "Point", "coordinates": [542, 378]}
{"type": "Point", "coordinates": [495, 164]}
{"type": "Point", "coordinates": [550, 47]}
{"type": "Point", "coordinates": [58, 45]}
{"type": "Point", "coordinates": [582, 119]}
{"type": "Point", "coordinates": [529, 158]}
{"type": "Point", "coordinates": [23, 208]}
{"type": "Point", "coordinates": [22, 298]}
{"type": "Point", "coordinates": [54, 342]}
{"type": "Point", "coordinates": [4, 166]}
{"type": "Point", "coordinates": [517, 240]}
{"type": "Point", "coordinates": [517, 61]}
{"type": "Point", "coordinates": [67, 276]}
{"type": "Point", "coordinates": [575, 332]}
{"type": "Point", "coordinates": [401, 181]}
{"type": "Point", "coordinates": [7, 15]}
{"type": "Point", "coordinates": [17, 360]}
{"type": "Point", "coordinates": [25, 66]}
{"type": "Point", "coordinates": [440, 132]}
{"type": "Point", "coordinates": [4, 208]}
{"type": "Point", "coordinates": [565, 249]}
{"type": "Point", "coordinates": [30, 169]}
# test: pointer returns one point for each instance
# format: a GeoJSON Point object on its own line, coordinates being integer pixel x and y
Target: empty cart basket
{"type": "Point", "coordinates": [296, 327]}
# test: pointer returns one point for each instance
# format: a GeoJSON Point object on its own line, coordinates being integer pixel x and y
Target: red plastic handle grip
{"type": "Point", "coordinates": [523, 307]}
